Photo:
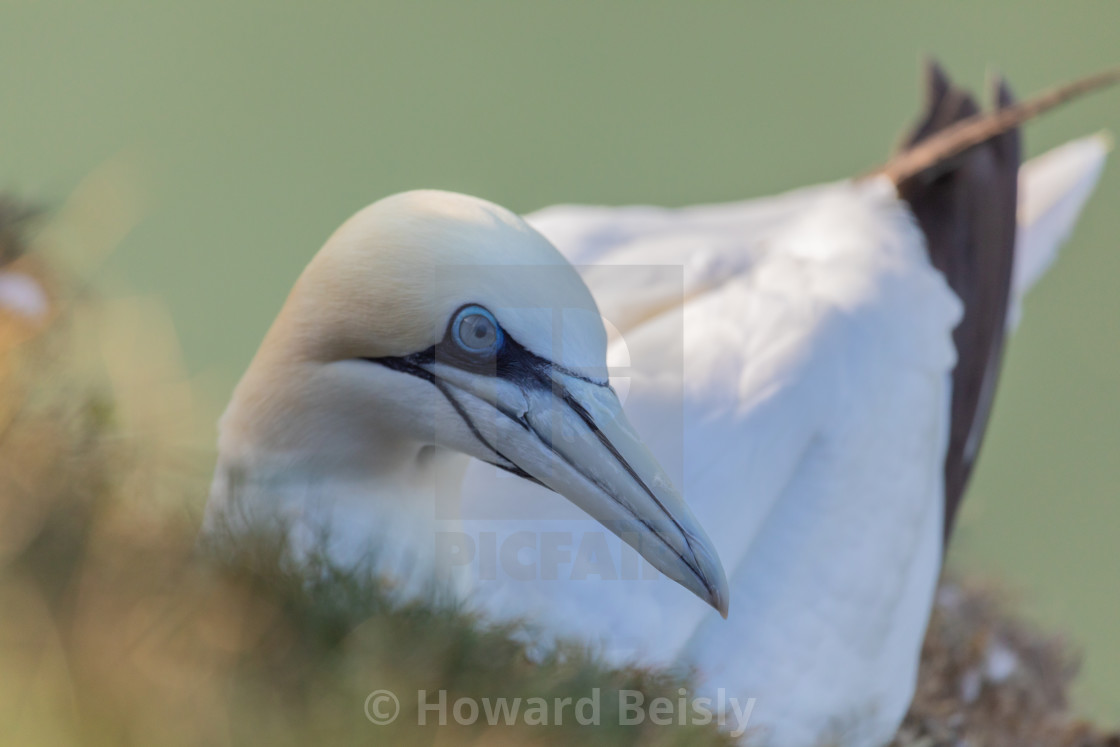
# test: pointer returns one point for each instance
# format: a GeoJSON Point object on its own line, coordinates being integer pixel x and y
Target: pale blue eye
{"type": "Point", "coordinates": [476, 330]}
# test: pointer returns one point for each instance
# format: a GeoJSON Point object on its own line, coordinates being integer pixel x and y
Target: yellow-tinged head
{"type": "Point", "coordinates": [436, 319]}
{"type": "Point", "coordinates": [389, 279]}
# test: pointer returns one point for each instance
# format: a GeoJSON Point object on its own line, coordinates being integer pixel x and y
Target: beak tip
{"type": "Point", "coordinates": [712, 576]}
{"type": "Point", "coordinates": [710, 588]}
{"type": "Point", "coordinates": [719, 597]}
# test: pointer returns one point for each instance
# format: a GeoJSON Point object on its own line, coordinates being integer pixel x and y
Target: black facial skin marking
{"type": "Point", "coordinates": [511, 361]}
{"type": "Point", "coordinates": [514, 363]}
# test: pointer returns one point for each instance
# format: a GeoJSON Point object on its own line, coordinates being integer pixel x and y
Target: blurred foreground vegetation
{"type": "Point", "coordinates": [117, 628]}
{"type": "Point", "coordinates": [253, 129]}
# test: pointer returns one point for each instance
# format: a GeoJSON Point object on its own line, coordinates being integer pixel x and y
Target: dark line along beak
{"type": "Point", "coordinates": [570, 434]}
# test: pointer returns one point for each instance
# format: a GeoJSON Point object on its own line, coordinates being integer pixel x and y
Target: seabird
{"type": "Point", "coordinates": [430, 328]}
{"type": "Point", "coordinates": [839, 348]}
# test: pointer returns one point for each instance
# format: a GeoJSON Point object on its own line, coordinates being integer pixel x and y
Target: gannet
{"type": "Point", "coordinates": [815, 369]}
{"type": "Point", "coordinates": [433, 327]}
{"type": "Point", "coordinates": [834, 352]}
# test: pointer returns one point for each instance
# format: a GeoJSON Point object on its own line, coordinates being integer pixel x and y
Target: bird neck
{"type": "Point", "coordinates": [370, 499]}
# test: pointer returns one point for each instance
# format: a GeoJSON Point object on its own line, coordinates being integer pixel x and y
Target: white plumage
{"type": "Point", "coordinates": [816, 345]}
{"type": "Point", "coordinates": [787, 361]}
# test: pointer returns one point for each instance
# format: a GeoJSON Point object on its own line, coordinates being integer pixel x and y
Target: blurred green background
{"type": "Point", "coordinates": [257, 127]}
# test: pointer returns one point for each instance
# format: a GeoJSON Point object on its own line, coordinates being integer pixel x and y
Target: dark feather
{"type": "Point", "coordinates": [965, 206]}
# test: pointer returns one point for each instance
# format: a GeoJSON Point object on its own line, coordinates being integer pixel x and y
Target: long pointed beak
{"type": "Point", "coordinates": [571, 435]}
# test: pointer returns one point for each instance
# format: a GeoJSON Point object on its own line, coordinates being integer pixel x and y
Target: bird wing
{"type": "Point", "coordinates": [1053, 189]}
{"type": "Point", "coordinates": [767, 316]}
{"type": "Point", "coordinates": [672, 254]}
{"type": "Point", "coordinates": [712, 243]}
{"type": "Point", "coordinates": [793, 362]}
{"type": "Point", "coordinates": [968, 209]}
{"type": "Point", "coordinates": [674, 287]}
{"type": "Point", "coordinates": [990, 265]}
{"type": "Point", "coordinates": [766, 364]}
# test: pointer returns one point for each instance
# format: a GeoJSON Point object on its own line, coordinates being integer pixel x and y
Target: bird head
{"type": "Point", "coordinates": [436, 321]}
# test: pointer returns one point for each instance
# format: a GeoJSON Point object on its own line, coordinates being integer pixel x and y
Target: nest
{"type": "Point", "coordinates": [989, 678]}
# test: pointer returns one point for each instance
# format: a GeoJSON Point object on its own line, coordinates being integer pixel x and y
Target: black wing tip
{"type": "Point", "coordinates": [944, 105]}
{"type": "Point", "coordinates": [1001, 94]}
{"type": "Point", "coordinates": [936, 80]}
{"type": "Point", "coordinates": [965, 206]}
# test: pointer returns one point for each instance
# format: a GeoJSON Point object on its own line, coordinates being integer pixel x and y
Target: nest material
{"type": "Point", "coordinates": [990, 679]}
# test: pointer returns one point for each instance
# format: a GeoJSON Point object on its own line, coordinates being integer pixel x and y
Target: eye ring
{"type": "Point", "coordinates": [476, 332]}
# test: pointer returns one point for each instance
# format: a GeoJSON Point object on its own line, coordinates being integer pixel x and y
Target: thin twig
{"type": "Point", "coordinates": [975, 130]}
